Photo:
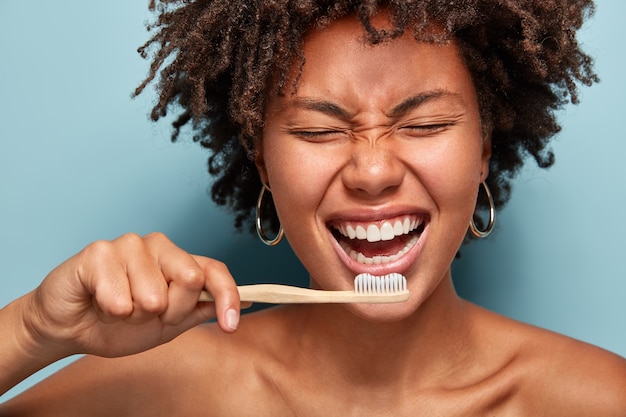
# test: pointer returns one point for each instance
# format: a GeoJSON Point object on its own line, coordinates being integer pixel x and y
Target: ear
{"type": "Point", "coordinates": [259, 161]}
{"type": "Point", "coordinates": [486, 157]}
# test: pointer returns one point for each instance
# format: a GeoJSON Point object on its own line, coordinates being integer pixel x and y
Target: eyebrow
{"type": "Point", "coordinates": [416, 101]}
{"type": "Point", "coordinates": [323, 106]}
{"type": "Point", "coordinates": [401, 109]}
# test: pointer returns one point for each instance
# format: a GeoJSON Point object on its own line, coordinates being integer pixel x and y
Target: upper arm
{"type": "Point", "coordinates": [606, 386]}
{"type": "Point", "coordinates": [151, 383]}
{"type": "Point", "coordinates": [90, 386]}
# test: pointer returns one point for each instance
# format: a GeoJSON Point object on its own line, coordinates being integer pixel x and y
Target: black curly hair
{"type": "Point", "coordinates": [216, 61]}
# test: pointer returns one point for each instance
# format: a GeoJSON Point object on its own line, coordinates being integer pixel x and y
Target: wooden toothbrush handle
{"type": "Point", "coordinates": [285, 294]}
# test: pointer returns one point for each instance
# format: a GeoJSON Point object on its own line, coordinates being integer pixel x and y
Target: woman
{"type": "Point", "coordinates": [352, 117]}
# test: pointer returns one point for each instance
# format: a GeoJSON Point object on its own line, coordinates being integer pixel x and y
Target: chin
{"type": "Point", "coordinates": [382, 313]}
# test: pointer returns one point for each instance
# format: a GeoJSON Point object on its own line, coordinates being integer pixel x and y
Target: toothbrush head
{"type": "Point", "coordinates": [393, 283]}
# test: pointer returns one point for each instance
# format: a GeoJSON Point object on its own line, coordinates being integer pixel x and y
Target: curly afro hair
{"type": "Point", "coordinates": [215, 61]}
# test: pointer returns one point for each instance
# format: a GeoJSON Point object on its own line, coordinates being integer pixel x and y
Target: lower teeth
{"type": "Point", "coordinates": [378, 259]}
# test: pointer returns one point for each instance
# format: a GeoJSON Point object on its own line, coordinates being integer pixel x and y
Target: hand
{"type": "Point", "coordinates": [120, 297]}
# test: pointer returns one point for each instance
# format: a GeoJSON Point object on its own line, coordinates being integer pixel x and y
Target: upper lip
{"type": "Point", "coordinates": [373, 216]}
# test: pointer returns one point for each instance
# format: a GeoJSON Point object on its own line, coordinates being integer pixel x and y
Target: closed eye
{"type": "Point", "coordinates": [426, 129]}
{"type": "Point", "coordinates": [318, 135]}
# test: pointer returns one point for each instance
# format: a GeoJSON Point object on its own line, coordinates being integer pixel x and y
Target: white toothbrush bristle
{"type": "Point", "coordinates": [371, 284]}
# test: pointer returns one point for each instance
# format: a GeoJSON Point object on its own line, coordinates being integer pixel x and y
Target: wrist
{"type": "Point", "coordinates": [23, 349]}
{"type": "Point", "coordinates": [39, 336]}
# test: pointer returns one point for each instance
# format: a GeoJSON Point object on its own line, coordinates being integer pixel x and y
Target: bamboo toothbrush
{"type": "Point", "coordinates": [368, 288]}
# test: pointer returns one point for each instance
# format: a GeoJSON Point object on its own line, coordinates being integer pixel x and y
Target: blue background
{"type": "Point", "coordinates": [79, 161]}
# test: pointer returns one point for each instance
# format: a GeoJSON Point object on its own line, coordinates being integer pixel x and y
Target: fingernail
{"type": "Point", "coordinates": [232, 319]}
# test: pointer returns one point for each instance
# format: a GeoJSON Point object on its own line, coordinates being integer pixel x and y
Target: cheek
{"type": "Point", "coordinates": [452, 173]}
{"type": "Point", "coordinates": [299, 176]}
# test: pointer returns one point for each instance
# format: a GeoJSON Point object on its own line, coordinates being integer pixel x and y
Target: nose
{"type": "Point", "coordinates": [374, 169]}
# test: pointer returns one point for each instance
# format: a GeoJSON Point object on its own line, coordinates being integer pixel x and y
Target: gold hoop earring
{"type": "Point", "coordinates": [259, 226]}
{"type": "Point", "coordinates": [492, 216]}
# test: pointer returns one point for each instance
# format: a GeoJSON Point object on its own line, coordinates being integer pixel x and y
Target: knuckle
{"type": "Point", "coordinates": [217, 266]}
{"type": "Point", "coordinates": [117, 307]}
{"type": "Point", "coordinates": [220, 277]}
{"type": "Point", "coordinates": [157, 237]}
{"type": "Point", "coordinates": [132, 239]}
{"type": "Point", "coordinates": [100, 249]}
{"type": "Point", "coordinates": [154, 304]}
{"type": "Point", "coordinates": [192, 278]}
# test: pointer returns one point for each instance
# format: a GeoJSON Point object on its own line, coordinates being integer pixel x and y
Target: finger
{"type": "Point", "coordinates": [104, 277]}
{"type": "Point", "coordinates": [148, 286]}
{"type": "Point", "coordinates": [186, 280]}
{"type": "Point", "coordinates": [184, 277]}
{"type": "Point", "coordinates": [221, 284]}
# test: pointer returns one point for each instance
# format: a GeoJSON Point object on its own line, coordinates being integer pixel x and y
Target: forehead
{"type": "Point", "coordinates": [340, 62]}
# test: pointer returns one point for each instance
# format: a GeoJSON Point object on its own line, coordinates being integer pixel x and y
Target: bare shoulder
{"type": "Point", "coordinates": [558, 375]}
{"type": "Point", "coordinates": [140, 384]}
{"type": "Point", "coordinates": [191, 375]}
{"type": "Point", "coordinates": [580, 378]}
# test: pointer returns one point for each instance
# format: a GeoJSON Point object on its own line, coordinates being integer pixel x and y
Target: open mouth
{"type": "Point", "coordinates": [380, 242]}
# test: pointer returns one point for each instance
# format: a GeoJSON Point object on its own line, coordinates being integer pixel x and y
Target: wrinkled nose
{"type": "Point", "coordinates": [373, 170]}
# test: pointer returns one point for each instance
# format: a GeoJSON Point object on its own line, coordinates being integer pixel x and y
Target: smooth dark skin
{"type": "Point", "coordinates": [382, 152]}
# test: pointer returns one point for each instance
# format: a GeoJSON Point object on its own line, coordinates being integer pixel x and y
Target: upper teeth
{"type": "Point", "coordinates": [374, 232]}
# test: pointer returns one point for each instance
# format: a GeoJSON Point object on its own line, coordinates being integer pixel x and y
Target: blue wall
{"type": "Point", "coordinates": [80, 161]}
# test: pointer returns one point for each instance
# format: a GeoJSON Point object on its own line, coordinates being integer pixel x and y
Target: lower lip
{"type": "Point", "coordinates": [400, 265]}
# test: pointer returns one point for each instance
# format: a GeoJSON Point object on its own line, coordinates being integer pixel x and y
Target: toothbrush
{"type": "Point", "coordinates": [368, 288]}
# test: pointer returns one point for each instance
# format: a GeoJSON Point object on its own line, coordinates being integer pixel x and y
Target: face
{"type": "Point", "coordinates": [375, 162]}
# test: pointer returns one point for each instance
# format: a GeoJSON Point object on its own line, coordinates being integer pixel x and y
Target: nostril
{"type": "Point", "coordinates": [374, 174]}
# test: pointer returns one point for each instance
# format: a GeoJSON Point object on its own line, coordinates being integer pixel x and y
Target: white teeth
{"type": "Point", "coordinates": [398, 229]}
{"type": "Point", "coordinates": [381, 231]}
{"type": "Point", "coordinates": [378, 259]}
{"type": "Point", "coordinates": [406, 225]}
{"type": "Point", "coordinates": [360, 258]}
{"type": "Point", "coordinates": [375, 233]}
{"type": "Point", "coordinates": [387, 232]}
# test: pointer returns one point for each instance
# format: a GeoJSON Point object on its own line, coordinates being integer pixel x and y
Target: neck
{"type": "Point", "coordinates": [430, 343]}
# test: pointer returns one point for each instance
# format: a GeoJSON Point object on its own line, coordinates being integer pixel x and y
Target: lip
{"type": "Point", "coordinates": [400, 265]}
